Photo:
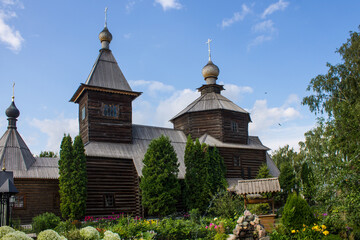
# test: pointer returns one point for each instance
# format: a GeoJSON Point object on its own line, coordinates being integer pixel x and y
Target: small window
{"type": "Point", "coordinates": [234, 126]}
{"type": "Point", "coordinates": [20, 201]}
{"type": "Point", "coordinates": [236, 162]}
{"type": "Point", "coordinates": [56, 200]}
{"type": "Point", "coordinates": [83, 113]}
{"type": "Point", "coordinates": [109, 200]}
{"type": "Point", "coordinates": [249, 172]}
{"type": "Point", "coordinates": [110, 110]}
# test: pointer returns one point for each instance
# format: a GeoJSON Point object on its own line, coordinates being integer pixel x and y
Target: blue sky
{"type": "Point", "coordinates": [267, 52]}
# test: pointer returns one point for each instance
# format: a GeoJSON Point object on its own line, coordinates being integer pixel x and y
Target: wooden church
{"type": "Point", "coordinates": [115, 147]}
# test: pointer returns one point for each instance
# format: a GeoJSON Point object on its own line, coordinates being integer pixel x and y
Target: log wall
{"type": "Point", "coordinates": [96, 126]}
{"type": "Point", "coordinates": [41, 195]}
{"type": "Point", "coordinates": [116, 177]}
{"type": "Point", "coordinates": [250, 162]}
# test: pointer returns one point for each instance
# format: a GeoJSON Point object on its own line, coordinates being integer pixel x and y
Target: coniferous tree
{"type": "Point", "coordinates": [159, 184]}
{"type": "Point", "coordinates": [79, 180]}
{"type": "Point", "coordinates": [264, 172]}
{"type": "Point", "coordinates": [66, 156]}
{"type": "Point", "coordinates": [216, 170]}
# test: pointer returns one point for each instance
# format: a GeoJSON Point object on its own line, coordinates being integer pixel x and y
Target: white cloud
{"type": "Point", "coordinates": [171, 106]}
{"type": "Point", "coordinates": [127, 35]}
{"type": "Point", "coordinates": [129, 6]}
{"type": "Point", "coordinates": [280, 5]}
{"type": "Point", "coordinates": [238, 16]}
{"type": "Point", "coordinates": [259, 40]}
{"type": "Point", "coordinates": [8, 35]}
{"type": "Point", "coordinates": [264, 26]}
{"type": "Point", "coordinates": [55, 129]}
{"type": "Point", "coordinates": [152, 87]}
{"type": "Point", "coordinates": [235, 92]}
{"type": "Point", "coordinates": [169, 4]}
{"type": "Point", "coordinates": [264, 118]}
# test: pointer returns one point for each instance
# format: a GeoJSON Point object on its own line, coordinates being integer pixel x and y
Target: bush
{"type": "Point", "coordinates": [65, 227]}
{"type": "Point", "coordinates": [109, 235]}
{"type": "Point", "coordinates": [89, 233]}
{"type": "Point", "coordinates": [5, 230]}
{"type": "Point", "coordinates": [48, 235]}
{"type": "Point", "coordinates": [259, 209]}
{"type": "Point", "coordinates": [297, 212]}
{"type": "Point", "coordinates": [73, 235]}
{"type": "Point", "coordinates": [45, 221]}
{"type": "Point", "coordinates": [227, 205]}
{"type": "Point", "coordinates": [16, 236]}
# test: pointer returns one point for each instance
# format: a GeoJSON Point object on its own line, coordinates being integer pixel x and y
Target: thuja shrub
{"type": "Point", "coordinates": [297, 212]}
{"type": "Point", "coordinates": [45, 221]}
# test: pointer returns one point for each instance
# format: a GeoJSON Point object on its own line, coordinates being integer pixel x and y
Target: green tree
{"type": "Point", "coordinates": [79, 180]}
{"type": "Point", "coordinates": [337, 95]}
{"type": "Point", "coordinates": [197, 188]}
{"type": "Point", "coordinates": [216, 169]}
{"type": "Point", "coordinates": [48, 154]}
{"type": "Point", "coordinates": [159, 184]}
{"type": "Point", "coordinates": [287, 181]}
{"type": "Point", "coordinates": [66, 156]}
{"type": "Point", "coordinates": [264, 172]}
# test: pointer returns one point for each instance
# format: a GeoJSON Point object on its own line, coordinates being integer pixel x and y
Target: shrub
{"type": "Point", "coordinates": [89, 233]}
{"type": "Point", "coordinates": [48, 235]}
{"type": "Point", "coordinates": [109, 235]}
{"type": "Point", "coordinates": [64, 227]}
{"type": "Point", "coordinates": [259, 209]}
{"type": "Point", "coordinates": [73, 235]}
{"type": "Point", "coordinates": [227, 205]}
{"type": "Point", "coordinates": [17, 235]}
{"type": "Point", "coordinates": [5, 230]}
{"type": "Point", "coordinates": [297, 212]}
{"type": "Point", "coordinates": [45, 221]}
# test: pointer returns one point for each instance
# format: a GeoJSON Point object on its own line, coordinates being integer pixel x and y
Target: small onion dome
{"type": "Point", "coordinates": [105, 35]}
{"type": "Point", "coordinates": [210, 70]}
{"type": "Point", "coordinates": [12, 111]}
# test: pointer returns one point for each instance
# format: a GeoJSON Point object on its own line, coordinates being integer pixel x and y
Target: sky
{"type": "Point", "coordinates": [267, 51]}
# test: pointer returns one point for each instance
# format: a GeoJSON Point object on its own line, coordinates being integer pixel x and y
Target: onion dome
{"type": "Point", "coordinates": [210, 72]}
{"type": "Point", "coordinates": [105, 35]}
{"type": "Point", "coordinates": [12, 111]}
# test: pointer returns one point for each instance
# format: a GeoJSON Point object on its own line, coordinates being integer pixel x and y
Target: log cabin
{"type": "Point", "coordinates": [115, 147]}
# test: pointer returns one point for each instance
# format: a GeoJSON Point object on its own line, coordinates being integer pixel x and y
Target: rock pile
{"type": "Point", "coordinates": [249, 228]}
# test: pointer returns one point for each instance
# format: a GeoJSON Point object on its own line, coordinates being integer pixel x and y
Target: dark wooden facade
{"type": "Point", "coordinates": [242, 163]}
{"type": "Point", "coordinates": [97, 126]}
{"type": "Point", "coordinates": [217, 123]}
{"type": "Point", "coordinates": [114, 180]}
{"type": "Point", "coordinates": [37, 196]}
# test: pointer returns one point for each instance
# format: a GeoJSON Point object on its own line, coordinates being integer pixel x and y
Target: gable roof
{"type": "Point", "coordinates": [14, 151]}
{"type": "Point", "coordinates": [106, 73]}
{"type": "Point", "coordinates": [257, 186]}
{"type": "Point", "coordinates": [210, 101]}
{"type": "Point", "coordinates": [43, 168]}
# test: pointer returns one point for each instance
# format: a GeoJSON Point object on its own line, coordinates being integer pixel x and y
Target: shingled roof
{"type": "Point", "coordinates": [257, 186]}
{"type": "Point", "coordinates": [210, 101]}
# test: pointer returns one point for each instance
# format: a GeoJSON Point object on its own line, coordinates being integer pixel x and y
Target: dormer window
{"type": "Point", "coordinates": [110, 110]}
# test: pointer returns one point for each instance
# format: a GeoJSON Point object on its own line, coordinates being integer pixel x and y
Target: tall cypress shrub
{"type": "Point", "coordinates": [159, 184]}
{"type": "Point", "coordinates": [66, 156]}
{"type": "Point", "coordinates": [78, 180]}
{"type": "Point", "coordinates": [216, 170]}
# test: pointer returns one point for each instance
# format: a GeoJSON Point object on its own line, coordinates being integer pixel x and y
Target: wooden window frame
{"type": "Point", "coordinates": [110, 110]}
{"type": "Point", "coordinates": [19, 195]}
{"type": "Point", "coordinates": [83, 113]}
{"type": "Point", "coordinates": [236, 162]}
{"type": "Point", "coordinates": [111, 195]}
{"type": "Point", "coordinates": [234, 126]}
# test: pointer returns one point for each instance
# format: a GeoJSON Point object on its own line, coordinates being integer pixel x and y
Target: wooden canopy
{"type": "Point", "coordinates": [258, 186]}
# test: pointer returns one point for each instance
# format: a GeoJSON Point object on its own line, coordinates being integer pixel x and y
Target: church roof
{"type": "Point", "coordinates": [210, 101]}
{"type": "Point", "coordinates": [106, 73]}
{"type": "Point", "coordinates": [14, 151]}
{"type": "Point", "coordinates": [43, 168]}
{"type": "Point", "coordinates": [143, 135]}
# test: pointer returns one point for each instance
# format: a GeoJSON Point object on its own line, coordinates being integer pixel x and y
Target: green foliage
{"type": "Point", "coordinates": [89, 233]}
{"type": "Point", "coordinates": [205, 174]}
{"type": "Point", "coordinates": [5, 230]}
{"type": "Point", "coordinates": [48, 235]}
{"type": "Point", "coordinates": [227, 205]}
{"type": "Point", "coordinates": [45, 221]}
{"type": "Point", "coordinates": [65, 178]}
{"type": "Point", "coordinates": [17, 235]}
{"type": "Point", "coordinates": [308, 183]}
{"type": "Point", "coordinates": [259, 209]}
{"type": "Point", "coordinates": [79, 180]}
{"type": "Point", "coordinates": [159, 185]}
{"type": "Point", "coordinates": [264, 172]}
{"type": "Point", "coordinates": [287, 180]}
{"type": "Point", "coordinates": [335, 155]}
{"type": "Point", "coordinates": [73, 178]}
{"type": "Point", "coordinates": [48, 154]}
{"type": "Point", "coordinates": [297, 212]}
{"type": "Point", "coordinates": [73, 234]}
